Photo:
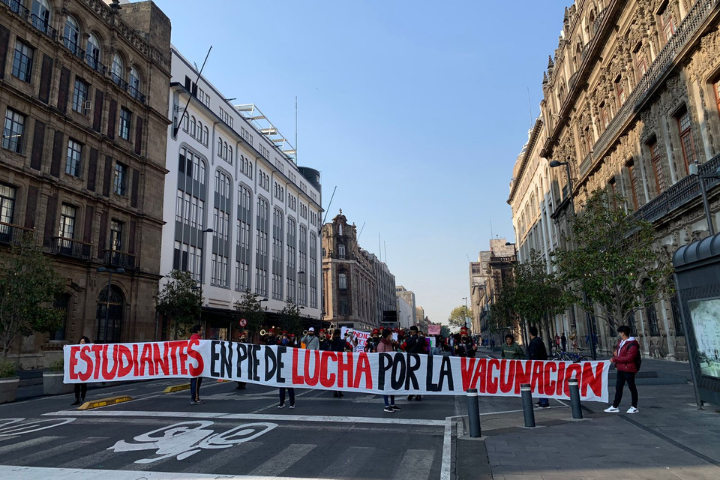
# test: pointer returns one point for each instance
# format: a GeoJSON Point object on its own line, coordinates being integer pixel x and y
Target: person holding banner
{"type": "Point", "coordinates": [385, 346]}
{"type": "Point", "coordinates": [537, 351]}
{"type": "Point", "coordinates": [339, 345]}
{"type": "Point", "coordinates": [414, 344]}
{"type": "Point", "coordinates": [81, 388]}
{"type": "Point", "coordinates": [195, 381]}
{"type": "Point", "coordinates": [511, 350]}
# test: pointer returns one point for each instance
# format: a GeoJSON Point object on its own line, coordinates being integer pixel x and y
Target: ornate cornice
{"type": "Point", "coordinates": [526, 157]}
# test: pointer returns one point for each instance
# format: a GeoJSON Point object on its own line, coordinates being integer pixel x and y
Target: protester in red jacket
{"type": "Point", "coordinates": [627, 360]}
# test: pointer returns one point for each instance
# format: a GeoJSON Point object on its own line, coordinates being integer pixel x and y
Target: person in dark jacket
{"type": "Point", "coordinates": [626, 358]}
{"type": "Point", "coordinates": [195, 381]}
{"type": "Point", "coordinates": [414, 344]}
{"type": "Point", "coordinates": [81, 388]}
{"type": "Point", "coordinates": [537, 351]}
{"type": "Point", "coordinates": [339, 344]}
{"type": "Point", "coordinates": [511, 350]}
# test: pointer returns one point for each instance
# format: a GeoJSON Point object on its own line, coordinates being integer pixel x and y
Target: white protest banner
{"type": "Point", "coordinates": [378, 373]}
{"type": "Point", "coordinates": [360, 337]}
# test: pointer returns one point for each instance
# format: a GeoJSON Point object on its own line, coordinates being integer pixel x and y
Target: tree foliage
{"type": "Point", "coordinates": [290, 318]}
{"type": "Point", "coordinates": [459, 316]}
{"type": "Point", "coordinates": [180, 300]}
{"type": "Point", "coordinates": [250, 308]}
{"type": "Point", "coordinates": [28, 286]}
{"type": "Point", "coordinates": [612, 257]}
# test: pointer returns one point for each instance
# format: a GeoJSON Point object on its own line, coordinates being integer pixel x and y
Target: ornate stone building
{"type": "Point", "coordinates": [631, 101]}
{"type": "Point", "coordinates": [83, 89]}
{"type": "Point", "coordinates": [349, 285]}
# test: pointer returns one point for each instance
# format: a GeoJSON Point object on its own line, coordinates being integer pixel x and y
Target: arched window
{"type": "Point", "coordinates": [40, 15]}
{"type": "Point", "coordinates": [186, 121]}
{"type": "Point", "coordinates": [192, 126]}
{"type": "Point", "coordinates": [72, 35]}
{"type": "Point", "coordinates": [206, 134]}
{"type": "Point", "coordinates": [134, 82]}
{"type": "Point", "coordinates": [219, 151]}
{"type": "Point", "coordinates": [230, 155]}
{"type": "Point", "coordinates": [61, 304]}
{"type": "Point", "coordinates": [92, 51]}
{"type": "Point", "coordinates": [109, 315]}
{"type": "Point", "coordinates": [250, 169]}
{"type": "Point", "coordinates": [118, 69]}
{"type": "Point", "coordinates": [199, 131]}
{"type": "Point", "coordinates": [225, 151]}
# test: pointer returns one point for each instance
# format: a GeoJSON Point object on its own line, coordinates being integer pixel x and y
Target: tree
{"type": "Point", "coordinates": [445, 331]}
{"type": "Point", "coordinates": [613, 260]}
{"type": "Point", "coordinates": [290, 318]}
{"type": "Point", "coordinates": [459, 315]}
{"type": "Point", "coordinates": [180, 300]}
{"type": "Point", "coordinates": [250, 308]}
{"type": "Point", "coordinates": [28, 286]}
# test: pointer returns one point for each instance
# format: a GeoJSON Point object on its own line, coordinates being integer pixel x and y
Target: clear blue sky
{"type": "Point", "coordinates": [415, 110]}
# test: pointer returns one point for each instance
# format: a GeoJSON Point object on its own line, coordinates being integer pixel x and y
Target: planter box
{"type": "Point", "coordinates": [8, 389]}
{"type": "Point", "coordinates": [53, 384]}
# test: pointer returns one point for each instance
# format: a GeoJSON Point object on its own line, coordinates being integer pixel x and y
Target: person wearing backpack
{"type": "Point", "coordinates": [627, 359]}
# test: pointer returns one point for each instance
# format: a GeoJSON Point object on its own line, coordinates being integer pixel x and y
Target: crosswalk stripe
{"type": "Point", "coordinates": [283, 460]}
{"type": "Point", "coordinates": [27, 443]}
{"type": "Point", "coordinates": [415, 465]}
{"type": "Point", "coordinates": [88, 460]}
{"type": "Point", "coordinates": [349, 462]}
{"type": "Point", "coordinates": [222, 458]}
{"type": "Point", "coordinates": [51, 452]}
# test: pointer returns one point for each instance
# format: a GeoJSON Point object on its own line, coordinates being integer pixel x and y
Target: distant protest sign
{"type": "Point", "coordinates": [359, 336]}
{"type": "Point", "coordinates": [395, 373]}
{"type": "Point", "coordinates": [434, 329]}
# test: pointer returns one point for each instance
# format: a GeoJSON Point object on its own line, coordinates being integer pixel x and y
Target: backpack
{"type": "Point", "coordinates": [638, 359]}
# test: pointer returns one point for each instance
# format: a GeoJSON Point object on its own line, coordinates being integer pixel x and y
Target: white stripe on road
{"type": "Point", "coordinates": [447, 451]}
{"type": "Point", "coordinates": [219, 460]}
{"type": "Point", "coordinates": [250, 416]}
{"type": "Point", "coordinates": [51, 452]}
{"type": "Point", "coordinates": [350, 462]}
{"type": "Point", "coordinates": [283, 460]}
{"type": "Point", "coordinates": [27, 443]}
{"type": "Point", "coordinates": [415, 465]}
{"type": "Point", "coordinates": [88, 460]}
{"type": "Point", "coordinates": [42, 473]}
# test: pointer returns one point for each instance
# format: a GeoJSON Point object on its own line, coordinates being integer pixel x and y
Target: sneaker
{"type": "Point", "coordinates": [193, 402]}
{"type": "Point", "coordinates": [389, 410]}
{"type": "Point", "coordinates": [292, 406]}
{"type": "Point", "coordinates": [198, 401]}
{"type": "Point", "coordinates": [612, 409]}
{"type": "Point", "coordinates": [281, 406]}
{"type": "Point", "coordinates": [633, 410]}
{"type": "Point", "coordinates": [410, 397]}
{"type": "Point", "coordinates": [395, 407]}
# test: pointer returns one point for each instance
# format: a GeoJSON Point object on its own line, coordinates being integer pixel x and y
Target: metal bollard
{"type": "Point", "coordinates": [527, 402]}
{"type": "Point", "coordinates": [575, 399]}
{"type": "Point", "coordinates": [473, 412]}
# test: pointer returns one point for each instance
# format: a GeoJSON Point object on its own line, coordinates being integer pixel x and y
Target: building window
{"type": "Point", "coordinates": [657, 166]}
{"type": "Point", "coordinates": [120, 183]}
{"type": "Point", "coordinates": [206, 135]}
{"type": "Point", "coordinates": [313, 271]}
{"type": "Point", "coordinates": [22, 61]}
{"type": "Point", "coordinates": [620, 89]}
{"type": "Point", "coordinates": [291, 258]}
{"type": "Point", "coordinates": [61, 304]}
{"type": "Point", "coordinates": [72, 35]}
{"type": "Point", "coordinates": [302, 265]}
{"type": "Point", "coordinates": [74, 154]}
{"type": "Point", "coordinates": [13, 131]}
{"type": "Point", "coordinates": [93, 52]}
{"type": "Point", "coordinates": [342, 281]}
{"type": "Point", "coordinates": [261, 263]}
{"type": "Point", "coordinates": [134, 86]}
{"type": "Point", "coordinates": [244, 252]}
{"type": "Point", "coordinates": [192, 131]}
{"type": "Point", "coordinates": [125, 119]}
{"type": "Point", "coordinates": [277, 263]}
{"type": "Point", "coordinates": [117, 73]}
{"type": "Point", "coordinates": [633, 184]}
{"type": "Point", "coordinates": [641, 63]}
{"type": "Point", "coordinates": [7, 207]}
{"type": "Point", "coordinates": [341, 251]}
{"type": "Point", "coordinates": [67, 225]}
{"type": "Point", "coordinates": [668, 22]}
{"type": "Point", "coordinates": [116, 235]}
{"type": "Point", "coordinates": [40, 16]}
{"type": "Point", "coordinates": [716, 89]}
{"type": "Point", "coordinates": [108, 323]}
{"type": "Point", "coordinates": [80, 96]}
{"type": "Point", "coordinates": [686, 140]}
{"type": "Point", "coordinates": [605, 116]}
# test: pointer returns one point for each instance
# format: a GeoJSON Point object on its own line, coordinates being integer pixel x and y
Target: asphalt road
{"type": "Point", "coordinates": [235, 432]}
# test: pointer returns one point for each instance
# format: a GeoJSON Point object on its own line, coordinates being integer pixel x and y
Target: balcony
{"type": "Point", "coordinates": [74, 48]}
{"type": "Point", "coordinates": [17, 8]}
{"type": "Point", "coordinates": [95, 64]}
{"type": "Point", "coordinates": [119, 81]}
{"type": "Point", "coordinates": [118, 259]}
{"type": "Point", "coordinates": [71, 248]}
{"type": "Point", "coordinates": [683, 192]}
{"type": "Point", "coordinates": [12, 234]}
{"type": "Point", "coordinates": [43, 26]}
{"type": "Point", "coordinates": [135, 93]}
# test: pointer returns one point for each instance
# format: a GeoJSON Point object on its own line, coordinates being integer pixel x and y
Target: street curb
{"type": "Point", "coordinates": [104, 402]}
{"type": "Point", "coordinates": [177, 388]}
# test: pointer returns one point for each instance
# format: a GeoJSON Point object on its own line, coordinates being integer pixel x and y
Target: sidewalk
{"type": "Point", "coordinates": [669, 439]}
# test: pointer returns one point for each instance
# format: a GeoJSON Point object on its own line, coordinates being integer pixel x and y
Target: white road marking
{"type": "Point", "coordinates": [51, 452]}
{"type": "Point", "coordinates": [415, 465]}
{"type": "Point", "coordinates": [447, 451]}
{"type": "Point", "coordinates": [27, 443]}
{"type": "Point", "coordinates": [18, 427]}
{"type": "Point", "coordinates": [283, 460]}
{"type": "Point", "coordinates": [350, 462]}
{"type": "Point", "coordinates": [219, 460]}
{"type": "Point", "coordinates": [42, 473]}
{"type": "Point", "coordinates": [88, 460]}
{"type": "Point", "coordinates": [251, 416]}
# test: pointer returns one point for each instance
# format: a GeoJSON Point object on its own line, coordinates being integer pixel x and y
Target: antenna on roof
{"type": "Point", "coordinates": [361, 230]}
{"type": "Point", "coordinates": [331, 199]}
{"type": "Point", "coordinates": [177, 127]}
{"type": "Point", "coordinates": [296, 125]}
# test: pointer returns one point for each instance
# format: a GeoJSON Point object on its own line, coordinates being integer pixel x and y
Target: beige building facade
{"type": "Point", "coordinates": [83, 90]}
{"type": "Point", "coordinates": [632, 102]}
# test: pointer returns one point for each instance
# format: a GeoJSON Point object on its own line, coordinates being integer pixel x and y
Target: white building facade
{"type": "Point", "coordinates": [231, 171]}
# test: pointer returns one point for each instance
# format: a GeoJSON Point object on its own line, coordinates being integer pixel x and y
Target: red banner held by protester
{"type": "Point", "coordinates": [376, 373]}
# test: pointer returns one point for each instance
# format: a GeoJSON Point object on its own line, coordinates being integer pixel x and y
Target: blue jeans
{"type": "Point", "coordinates": [291, 391]}
{"type": "Point", "coordinates": [195, 388]}
{"type": "Point", "coordinates": [389, 400]}
{"type": "Point", "coordinates": [544, 401]}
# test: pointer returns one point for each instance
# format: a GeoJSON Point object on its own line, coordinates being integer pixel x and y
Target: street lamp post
{"type": "Point", "coordinates": [591, 334]}
{"type": "Point", "coordinates": [109, 271]}
{"type": "Point", "coordinates": [466, 310]}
